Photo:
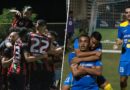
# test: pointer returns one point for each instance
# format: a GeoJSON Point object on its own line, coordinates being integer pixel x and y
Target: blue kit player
{"type": "Point", "coordinates": [124, 40]}
{"type": "Point", "coordinates": [86, 81]}
{"type": "Point", "coordinates": [95, 51]}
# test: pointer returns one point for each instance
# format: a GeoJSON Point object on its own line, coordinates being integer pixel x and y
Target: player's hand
{"type": "Point", "coordinates": [76, 60]}
{"type": "Point", "coordinates": [98, 53]}
{"type": "Point", "coordinates": [115, 47]}
{"type": "Point", "coordinates": [74, 66]}
{"type": "Point", "coordinates": [16, 12]}
{"type": "Point", "coordinates": [9, 45]}
{"type": "Point", "coordinates": [45, 56]}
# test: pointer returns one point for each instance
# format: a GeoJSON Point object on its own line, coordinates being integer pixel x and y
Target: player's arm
{"type": "Point", "coordinates": [31, 58]}
{"type": "Point", "coordinates": [65, 87]}
{"type": "Point", "coordinates": [53, 51]}
{"type": "Point", "coordinates": [119, 41]}
{"type": "Point", "coordinates": [92, 57]}
{"type": "Point", "coordinates": [80, 70]}
{"type": "Point", "coordinates": [84, 54]}
{"type": "Point", "coordinates": [67, 83]}
{"type": "Point", "coordinates": [6, 61]}
{"type": "Point", "coordinates": [16, 12]}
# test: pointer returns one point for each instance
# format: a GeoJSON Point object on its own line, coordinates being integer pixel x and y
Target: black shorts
{"type": "Point", "coordinates": [100, 80]}
{"type": "Point", "coordinates": [16, 82]}
{"type": "Point", "coordinates": [41, 80]}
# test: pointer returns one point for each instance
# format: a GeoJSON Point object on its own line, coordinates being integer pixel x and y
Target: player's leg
{"type": "Point", "coordinates": [34, 80]}
{"type": "Point", "coordinates": [20, 82]}
{"type": "Point", "coordinates": [57, 77]}
{"type": "Point", "coordinates": [123, 82]}
{"type": "Point", "coordinates": [124, 70]}
{"type": "Point", "coordinates": [65, 87]}
{"type": "Point", "coordinates": [103, 83]}
{"type": "Point", "coordinates": [107, 86]}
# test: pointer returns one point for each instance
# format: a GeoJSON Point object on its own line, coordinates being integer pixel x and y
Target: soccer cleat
{"type": "Point", "coordinates": [108, 87]}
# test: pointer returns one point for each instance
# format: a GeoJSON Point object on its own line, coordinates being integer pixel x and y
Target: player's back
{"type": "Point", "coordinates": [38, 43]}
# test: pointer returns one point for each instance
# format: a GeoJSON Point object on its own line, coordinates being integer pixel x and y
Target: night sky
{"type": "Point", "coordinates": [50, 10]}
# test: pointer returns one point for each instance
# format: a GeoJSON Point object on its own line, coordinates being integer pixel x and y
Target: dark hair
{"type": "Point", "coordinates": [22, 32]}
{"type": "Point", "coordinates": [97, 36]}
{"type": "Point", "coordinates": [53, 33]}
{"type": "Point", "coordinates": [83, 35]}
{"type": "Point", "coordinates": [41, 22]}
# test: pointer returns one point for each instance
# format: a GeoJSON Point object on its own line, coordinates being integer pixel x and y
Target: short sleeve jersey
{"type": "Point", "coordinates": [124, 34]}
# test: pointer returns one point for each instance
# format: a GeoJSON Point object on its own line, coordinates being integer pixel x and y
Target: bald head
{"type": "Point", "coordinates": [13, 36]}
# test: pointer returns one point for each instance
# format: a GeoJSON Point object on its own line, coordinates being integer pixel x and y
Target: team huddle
{"type": "Point", "coordinates": [31, 58]}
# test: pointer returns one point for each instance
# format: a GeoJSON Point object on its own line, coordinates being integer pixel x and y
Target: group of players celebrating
{"type": "Point", "coordinates": [86, 66]}
{"type": "Point", "coordinates": [85, 61]}
{"type": "Point", "coordinates": [31, 58]}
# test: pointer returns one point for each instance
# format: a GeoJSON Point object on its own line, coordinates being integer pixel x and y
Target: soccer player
{"type": "Point", "coordinates": [70, 28]}
{"type": "Point", "coordinates": [124, 40]}
{"type": "Point", "coordinates": [95, 47]}
{"type": "Point", "coordinates": [68, 82]}
{"type": "Point", "coordinates": [23, 19]}
{"type": "Point", "coordinates": [92, 68]}
{"type": "Point", "coordinates": [39, 71]}
{"type": "Point", "coordinates": [16, 70]}
{"type": "Point", "coordinates": [56, 59]}
{"type": "Point", "coordinates": [70, 25]}
{"type": "Point", "coordinates": [7, 46]}
{"type": "Point", "coordinates": [69, 79]}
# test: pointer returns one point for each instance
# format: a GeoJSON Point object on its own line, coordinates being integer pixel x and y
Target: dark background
{"type": "Point", "coordinates": [50, 10]}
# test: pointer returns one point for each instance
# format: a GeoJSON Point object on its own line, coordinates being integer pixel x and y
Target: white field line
{"type": "Point", "coordinates": [108, 41]}
{"type": "Point", "coordinates": [111, 51]}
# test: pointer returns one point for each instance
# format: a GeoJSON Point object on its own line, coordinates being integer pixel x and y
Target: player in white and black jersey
{"type": "Point", "coordinates": [38, 70]}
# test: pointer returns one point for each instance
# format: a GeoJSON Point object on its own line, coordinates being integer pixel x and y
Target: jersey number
{"type": "Point", "coordinates": [17, 52]}
{"type": "Point", "coordinates": [37, 43]}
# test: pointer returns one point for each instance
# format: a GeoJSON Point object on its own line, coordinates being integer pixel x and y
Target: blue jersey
{"type": "Point", "coordinates": [87, 82]}
{"type": "Point", "coordinates": [71, 56]}
{"type": "Point", "coordinates": [124, 34]}
{"type": "Point", "coordinates": [76, 45]}
{"type": "Point", "coordinates": [69, 80]}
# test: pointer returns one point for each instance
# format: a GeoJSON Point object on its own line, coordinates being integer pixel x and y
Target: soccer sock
{"type": "Point", "coordinates": [108, 87]}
